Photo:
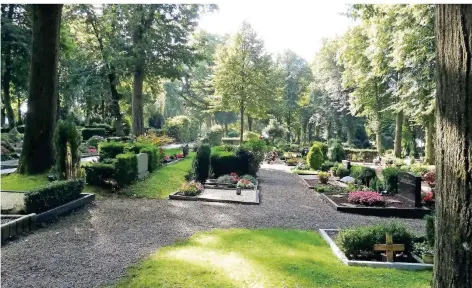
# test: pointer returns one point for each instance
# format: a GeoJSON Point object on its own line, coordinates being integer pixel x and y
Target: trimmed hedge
{"type": "Point", "coordinates": [390, 175]}
{"type": "Point", "coordinates": [126, 168]}
{"type": "Point", "coordinates": [89, 132]}
{"type": "Point", "coordinates": [153, 157]}
{"type": "Point", "coordinates": [52, 195]}
{"type": "Point", "coordinates": [201, 163]}
{"type": "Point", "coordinates": [111, 149]}
{"type": "Point", "coordinates": [241, 162]}
{"type": "Point", "coordinates": [361, 155]}
{"type": "Point", "coordinates": [108, 128]}
{"type": "Point", "coordinates": [98, 173]}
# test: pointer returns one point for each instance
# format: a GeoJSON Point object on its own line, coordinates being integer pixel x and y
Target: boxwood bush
{"type": "Point", "coordinates": [336, 152]}
{"type": "Point", "coordinates": [89, 132]}
{"type": "Point", "coordinates": [111, 149]}
{"type": "Point", "coordinates": [315, 157]}
{"type": "Point", "coordinates": [326, 166]}
{"type": "Point", "coordinates": [201, 163]}
{"type": "Point", "coordinates": [241, 162]}
{"type": "Point", "coordinates": [126, 168]}
{"type": "Point", "coordinates": [99, 173]}
{"type": "Point", "coordinates": [390, 176]}
{"type": "Point", "coordinates": [52, 195]}
{"type": "Point", "coordinates": [359, 243]}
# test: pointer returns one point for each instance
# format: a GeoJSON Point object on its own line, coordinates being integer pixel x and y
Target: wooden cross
{"type": "Point", "coordinates": [389, 247]}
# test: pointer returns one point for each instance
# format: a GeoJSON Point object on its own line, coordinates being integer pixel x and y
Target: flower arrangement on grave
{"type": "Point", "coordinates": [191, 188]}
{"type": "Point", "coordinates": [166, 159]}
{"type": "Point", "coordinates": [428, 198]}
{"type": "Point", "coordinates": [179, 156]}
{"type": "Point", "coordinates": [229, 180]}
{"type": "Point", "coordinates": [245, 184]}
{"type": "Point", "coordinates": [430, 178]}
{"type": "Point", "coordinates": [92, 150]}
{"type": "Point", "coordinates": [367, 198]}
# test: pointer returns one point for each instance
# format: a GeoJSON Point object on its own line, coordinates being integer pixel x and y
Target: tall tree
{"type": "Point", "coordinates": [243, 74]}
{"type": "Point", "coordinates": [37, 155]}
{"type": "Point", "coordinates": [453, 245]}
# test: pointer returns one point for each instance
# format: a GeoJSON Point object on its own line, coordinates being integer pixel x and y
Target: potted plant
{"type": "Point", "coordinates": [425, 251]}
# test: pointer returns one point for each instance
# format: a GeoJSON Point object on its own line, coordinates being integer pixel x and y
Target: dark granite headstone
{"type": "Point", "coordinates": [409, 186]}
{"type": "Point", "coordinates": [367, 175]}
{"type": "Point", "coordinates": [185, 150]}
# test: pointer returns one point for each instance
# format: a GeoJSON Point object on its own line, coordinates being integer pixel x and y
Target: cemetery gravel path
{"type": "Point", "coordinates": [94, 246]}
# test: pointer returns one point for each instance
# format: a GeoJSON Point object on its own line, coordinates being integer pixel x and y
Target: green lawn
{"type": "Point", "coordinates": [20, 182]}
{"type": "Point", "coordinates": [260, 258]}
{"type": "Point", "coordinates": [172, 151]}
{"type": "Point", "coordinates": [164, 181]}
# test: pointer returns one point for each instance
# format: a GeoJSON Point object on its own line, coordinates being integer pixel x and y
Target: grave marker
{"type": "Point", "coordinates": [389, 247]}
{"type": "Point", "coordinates": [409, 186]}
{"type": "Point", "coordinates": [142, 165]}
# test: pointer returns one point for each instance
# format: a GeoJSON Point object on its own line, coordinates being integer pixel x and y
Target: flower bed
{"type": "Point", "coordinates": [366, 198]}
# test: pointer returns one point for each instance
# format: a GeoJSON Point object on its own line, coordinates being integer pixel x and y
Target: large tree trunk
{"type": "Point", "coordinates": [7, 75]}
{"type": "Point", "coordinates": [453, 245]}
{"type": "Point", "coordinates": [137, 102]}
{"type": "Point", "coordinates": [37, 154]}
{"type": "Point", "coordinates": [378, 140]}
{"type": "Point", "coordinates": [249, 122]}
{"type": "Point", "coordinates": [115, 104]}
{"type": "Point", "coordinates": [429, 147]}
{"type": "Point", "coordinates": [398, 134]}
{"type": "Point", "coordinates": [349, 128]}
{"type": "Point", "coordinates": [20, 121]}
{"type": "Point", "coordinates": [289, 123]}
{"type": "Point", "coordinates": [241, 128]}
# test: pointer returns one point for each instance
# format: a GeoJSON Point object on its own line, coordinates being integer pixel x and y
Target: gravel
{"type": "Point", "coordinates": [94, 246]}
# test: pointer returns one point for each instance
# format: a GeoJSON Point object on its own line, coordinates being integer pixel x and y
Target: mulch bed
{"type": "Point", "coordinates": [399, 257]}
{"type": "Point", "coordinates": [391, 201]}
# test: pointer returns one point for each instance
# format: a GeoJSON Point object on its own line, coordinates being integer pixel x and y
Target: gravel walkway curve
{"type": "Point", "coordinates": [96, 245]}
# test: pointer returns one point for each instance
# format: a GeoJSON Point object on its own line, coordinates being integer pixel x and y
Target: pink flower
{"type": "Point", "coordinates": [367, 198]}
{"type": "Point", "coordinates": [428, 196]}
{"type": "Point", "coordinates": [92, 150]}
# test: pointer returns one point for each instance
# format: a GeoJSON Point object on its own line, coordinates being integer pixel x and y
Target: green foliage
{"type": "Point", "coordinates": [377, 184]}
{"type": "Point", "coordinates": [329, 189]}
{"type": "Point", "coordinates": [109, 129]}
{"type": "Point", "coordinates": [89, 132]}
{"type": "Point", "coordinates": [232, 134]}
{"type": "Point", "coordinates": [94, 140]}
{"type": "Point", "coordinates": [154, 159]}
{"type": "Point", "coordinates": [274, 130]}
{"type": "Point", "coordinates": [100, 174]}
{"type": "Point", "coordinates": [358, 243]}
{"type": "Point", "coordinates": [126, 168]}
{"type": "Point", "coordinates": [178, 128]}
{"type": "Point", "coordinates": [324, 149]}
{"type": "Point", "coordinates": [336, 153]}
{"type": "Point", "coordinates": [250, 178]}
{"type": "Point", "coordinates": [250, 136]}
{"type": "Point", "coordinates": [52, 195]}
{"type": "Point", "coordinates": [326, 166]}
{"type": "Point", "coordinates": [111, 149]}
{"type": "Point", "coordinates": [201, 165]}
{"type": "Point", "coordinates": [324, 177]}
{"type": "Point", "coordinates": [390, 176]}
{"type": "Point", "coordinates": [240, 162]}
{"type": "Point", "coordinates": [191, 188]}
{"type": "Point", "coordinates": [356, 171]}
{"type": "Point", "coordinates": [315, 157]}
{"type": "Point", "coordinates": [419, 169]}
{"type": "Point", "coordinates": [342, 171]}
{"type": "Point", "coordinates": [361, 155]}
{"type": "Point", "coordinates": [215, 134]}
{"type": "Point", "coordinates": [66, 142]}
{"type": "Point", "coordinates": [367, 174]}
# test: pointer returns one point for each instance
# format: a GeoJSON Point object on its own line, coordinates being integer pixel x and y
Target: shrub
{"type": "Point", "coordinates": [326, 166]}
{"type": "Point", "coordinates": [21, 129]}
{"type": "Point", "coordinates": [315, 157]}
{"type": "Point", "coordinates": [14, 136]}
{"type": "Point", "coordinates": [342, 171]}
{"type": "Point", "coordinates": [249, 135]}
{"type": "Point", "coordinates": [366, 198]}
{"type": "Point", "coordinates": [356, 171]}
{"type": "Point", "coordinates": [87, 133]}
{"type": "Point", "coordinates": [377, 184]}
{"type": "Point", "coordinates": [419, 169]}
{"type": "Point", "coordinates": [108, 129]}
{"type": "Point", "coordinates": [359, 242]}
{"type": "Point", "coordinates": [66, 142]}
{"type": "Point", "coordinates": [229, 179]}
{"type": "Point", "coordinates": [275, 130]}
{"type": "Point", "coordinates": [302, 166]}
{"type": "Point", "coordinates": [247, 162]}
{"type": "Point", "coordinates": [191, 188]}
{"type": "Point", "coordinates": [153, 157]}
{"type": "Point", "coordinates": [154, 139]}
{"type": "Point", "coordinates": [99, 174]}
{"type": "Point", "coordinates": [292, 162]}
{"type": "Point", "coordinates": [94, 140]}
{"type": "Point", "coordinates": [257, 148]}
{"type": "Point", "coordinates": [126, 168]}
{"type": "Point", "coordinates": [336, 153]}
{"type": "Point", "coordinates": [250, 178]}
{"type": "Point", "coordinates": [367, 174]}
{"type": "Point", "coordinates": [201, 163]}
{"type": "Point", "coordinates": [111, 149]}
{"type": "Point", "coordinates": [245, 184]}
{"type": "Point", "coordinates": [52, 195]}
{"type": "Point", "coordinates": [361, 155]}
{"type": "Point", "coordinates": [324, 177]}
{"type": "Point", "coordinates": [178, 128]}
{"type": "Point", "coordinates": [329, 189]}
{"type": "Point", "coordinates": [232, 134]}
{"type": "Point", "coordinates": [390, 175]}
{"type": "Point", "coordinates": [215, 134]}
{"type": "Point", "coordinates": [324, 148]}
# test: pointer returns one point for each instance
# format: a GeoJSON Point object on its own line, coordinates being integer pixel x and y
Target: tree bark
{"type": "Point", "coordinates": [349, 128]}
{"type": "Point", "coordinates": [429, 147]}
{"type": "Point", "coordinates": [7, 75]}
{"type": "Point", "coordinates": [310, 133]}
{"type": "Point", "coordinates": [37, 154]}
{"type": "Point", "coordinates": [378, 140]}
{"type": "Point", "coordinates": [453, 245]}
{"type": "Point", "coordinates": [137, 102]}
{"type": "Point", "coordinates": [249, 123]}
{"type": "Point", "coordinates": [20, 121]}
{"type": "Point", "coordinates": [398, 134]}
{"type": "Point", "coordinates": [241, 128]}
{"type": "Point", "coordinates": [226, 129]}
{"type": "Point", "coordinates": [115, 104]}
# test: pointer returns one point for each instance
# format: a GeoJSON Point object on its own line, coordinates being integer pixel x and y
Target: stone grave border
{"type": "Point", "coordinates": [412, 213]}
{"type": "Point", "coordinates": [374, 264]}
{"type": "Point", "coordinates": [174, 196]}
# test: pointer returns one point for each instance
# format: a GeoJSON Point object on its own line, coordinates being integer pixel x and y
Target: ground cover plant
{"type": "Point", "coordinates": [276, 258]}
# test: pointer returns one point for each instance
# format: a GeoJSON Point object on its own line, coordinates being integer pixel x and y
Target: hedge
{"type": "Point", "coordinates": [201, 163]}
{"type": "Point", "coordinates": [89, 132]}
{"type": "Point", "coordinates": [111, 149]}
{"type": "Point", "coordinates": [98, 173]}
{"type": "Point", "coordinates": [153, 157]}
{"type": "Point", "coordinates": [108, 128]}
{"type": "Point", "coordinates": [126, 168]}
{"type": "Point", "coordinates": [361, 155]}
{"type": "Point", "coordinates": [52, 195]}
{"type": "Point", "coordinates": [241, 162]}
{"type": "Point", "coordinates": [390, 175]}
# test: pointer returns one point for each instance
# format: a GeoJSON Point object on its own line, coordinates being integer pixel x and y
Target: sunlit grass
{"type": "Point", "coordinates": [259, 258]}
{"type": "Point", "coordinates": [19, 182]}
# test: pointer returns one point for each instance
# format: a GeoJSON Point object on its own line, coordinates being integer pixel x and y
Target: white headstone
{"type": "Point", "coordinates": [142, 165]}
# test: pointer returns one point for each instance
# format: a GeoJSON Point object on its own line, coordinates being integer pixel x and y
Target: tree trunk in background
{"type": "Point", "coordinates": [115, 104]}
{"type": "Point", "coordinates": [137, 103]}
{"type": "Point", "coordinates": [37, 154]}
{"type": "Point", "coordinates": [2, 116]}
{"type": "Point", "coordinates": [208, 121]}
{"type": "Point", "coordinates": [289, 122]}
{"type": "Point", "coordinates": [299, 133]}
{"type": "Point", "coordinates": [249, 123]}
{"type": "Point", "coordinates": [226, 129]}
{"type": "Point", "coordinates": [349, 128]}
{"type": "Point", "coordinates": [241, 128]}
{"type": "Point", "coordinates": [317, 131]}
{"type": "Point", "coordinates": [453, 245]}
{"type": "Point", "coordinates": [310, 132]}
{"type": "Point", "coordinates": [378, 140]}
{"type": "Point", "coordinates": [398, 134]}
{"type": "Point", "coordinates": [329, 132]}
{"type": "Point", "coordinates": [429, 145]}
{"type": "Point", "coordinates": [19, 122]}
{"type": "Point", "coordinates": [7, 75]}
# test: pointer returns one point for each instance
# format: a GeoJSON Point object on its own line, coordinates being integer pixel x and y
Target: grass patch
{"type": "Point", "coordinates": [305, 172]}
{"type": "Point", "coordinates": [172, 151]}
{"type": "Point", "coordinates": [166, 180]}
{"type": "Point", "coordinates": [260, 258]}
{"type": "Point", "coordinates": [20, 182]}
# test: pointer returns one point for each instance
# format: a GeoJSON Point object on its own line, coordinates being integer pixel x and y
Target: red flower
{"type": "Point", "coordinates": [428, 196]}
{"type": "Point", "coordinates": [92, 150]}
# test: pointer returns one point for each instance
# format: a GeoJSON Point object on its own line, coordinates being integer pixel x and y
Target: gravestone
{"type": "Point", "coordinates": [367, 175]}
{"type": "Point", "coordinates": [347, 164]}
{"type": "Point", "coordinates": [409, 186]}
{"type": "Point", "coordinates": [142, 165]}
{"type": "Point", "coordinates": [185, 150]}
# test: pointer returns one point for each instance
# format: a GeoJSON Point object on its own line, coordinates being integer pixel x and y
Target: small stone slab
{"type": "Point", "coordinates": [248, 196]}
{"type": "Point", "coordinates": [308, 177]}
{"type": "Point", "coordinates": [393, 201]}
{"type": "Point", "coordinates": [348, 205]}
{"type": "Point", "coordinates": [347, 179]}
{"type": "Point", "coordinates": [338, 196]}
